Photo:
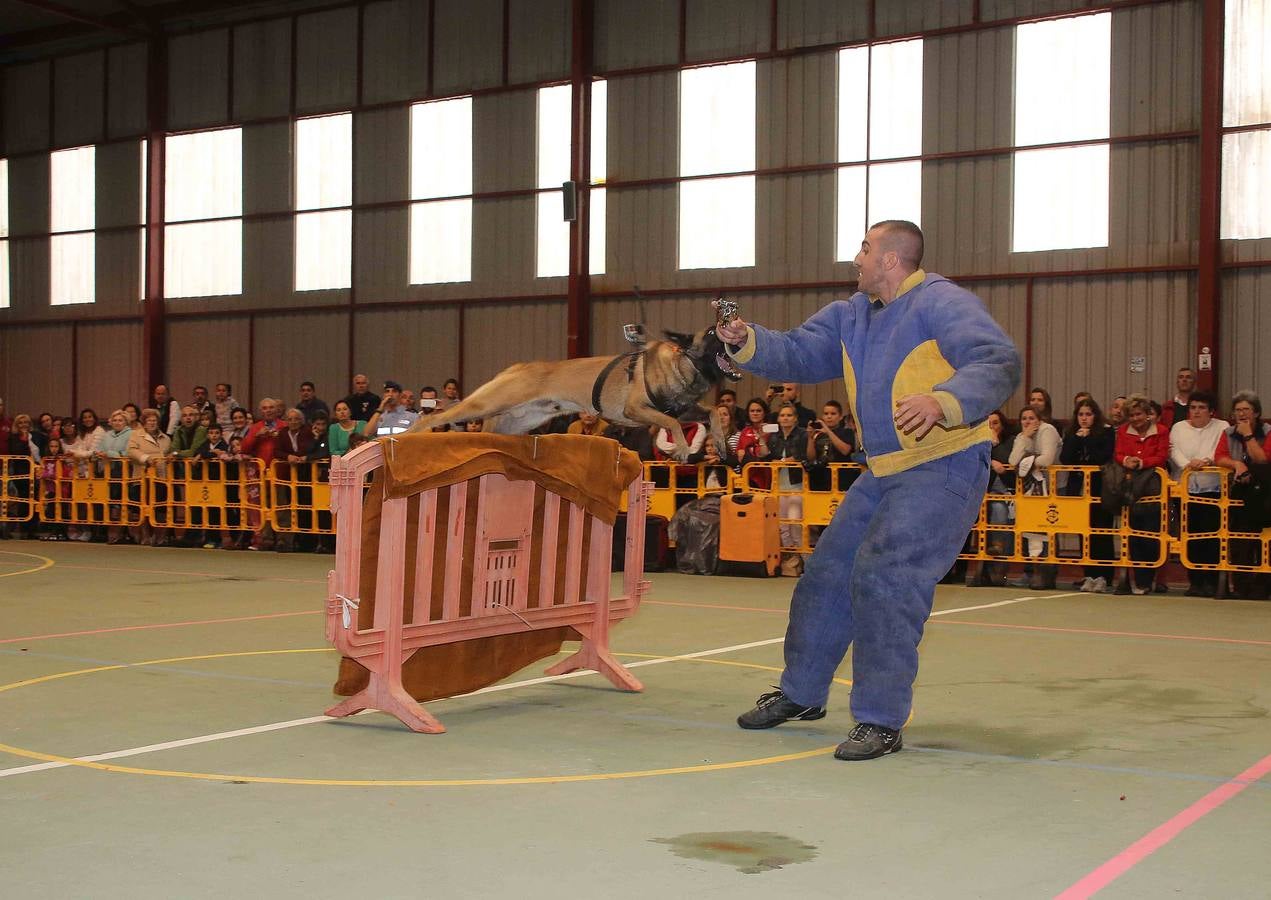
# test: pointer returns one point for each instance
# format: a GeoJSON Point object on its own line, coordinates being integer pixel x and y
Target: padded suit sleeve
{"type": "Point", "coordinates": [808, 354]}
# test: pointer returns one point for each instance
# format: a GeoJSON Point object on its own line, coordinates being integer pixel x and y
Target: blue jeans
{"type": "Point", "coordinates": [871, 582]}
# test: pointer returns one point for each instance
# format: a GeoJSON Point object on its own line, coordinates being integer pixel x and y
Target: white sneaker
{"type": "Point", "coordinates": [1087, 585]}
{"type": "Point", "coordinates": [1138, 591]}
{"type": "Point", "coordinates": [1100, 585]}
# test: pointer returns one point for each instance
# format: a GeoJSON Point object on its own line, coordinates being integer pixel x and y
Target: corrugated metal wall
{"type": "Point", "coordinates": [1085, 328]}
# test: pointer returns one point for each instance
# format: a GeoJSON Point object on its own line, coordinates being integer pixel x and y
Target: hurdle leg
{"type": "Point", "coordinates": [596, 656]}
{"type": "Point", "coordinates": [386, 696]}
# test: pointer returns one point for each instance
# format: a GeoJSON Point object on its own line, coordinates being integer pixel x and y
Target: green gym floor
{"type": "Point", "coordinates": [162, 736]}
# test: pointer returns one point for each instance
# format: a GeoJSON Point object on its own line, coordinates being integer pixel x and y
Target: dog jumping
{"type": "Point", "coordinates": [658, 384]}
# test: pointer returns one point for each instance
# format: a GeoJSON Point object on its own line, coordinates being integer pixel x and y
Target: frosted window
{"type": "Point", "coordinates": [441, 149]}
{"type": "Point", "coordinates": [203, 259]}
{"type": "Point", "coordinates": [717, 119]}
{"type": "Point", "coordinates": [72, 207]}
{"type": "Point", "coordinates": [323, 242]}
{"type": "Point", "coordinates": [596, 249]}
{"type": "Point", "coordinates": [1246, 75]}
{"type": "Point", "coordinates": [1246, 156]}
{"type": "Point", "coordinates": [441, 166]}
{"type": "Point", "coordinates": [72, 268]}
{"type": "Point", "coordinates": [554, 139]}
{"type": "Point", "coordinates": [879, 118]}
{"type": "Point", "coordinates": [717, 135]}
{"type": "Point", "coordinates": [72, 189]}
{"type": "Point", "coordinates": [895, 192]}
{"type": "Point", "coordinates": [324, 162]}
{"type": "Point", "coordinates": [1246, 185]}
{"type": "Point", "coordinates": [1062, 80]}
{"type": "Point", "coordinates": [4, 234]}
{"type": "Point", "coordinates": [1062, 93]}
{"type": "Point", "coordinates": [850, 227]}
{"type": "Point", "coordinates": [204, 175]}
{"type": "Point", "coordinates": [203, 179]}
{"type": "Point", "coordinates": [717, 223]}
{"type": "Point", "coordinates": [441, 242]}
{"type": "Point", "coordinates": [553, 135]}
{"type": "Point", "coordinates": [1061, 198]}
{"type": "Point", "coordinates": [324, 179]}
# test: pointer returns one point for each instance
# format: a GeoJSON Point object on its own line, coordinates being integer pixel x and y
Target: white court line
{"type": "Point", "coordinates": [311, 720]}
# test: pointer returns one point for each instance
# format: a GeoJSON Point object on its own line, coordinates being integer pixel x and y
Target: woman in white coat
{"type": "Point", "coordinates": [1036, 449]}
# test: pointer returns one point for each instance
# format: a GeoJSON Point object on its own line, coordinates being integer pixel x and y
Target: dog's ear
{"type": "Point", "coordinates": [685, 341]}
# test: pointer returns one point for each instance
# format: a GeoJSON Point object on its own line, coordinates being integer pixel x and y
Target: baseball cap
{"type": "Point", "coordinates": [393, 385]}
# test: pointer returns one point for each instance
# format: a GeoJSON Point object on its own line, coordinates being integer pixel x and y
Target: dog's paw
{"type": "Point", "coordinates": [680, 453]}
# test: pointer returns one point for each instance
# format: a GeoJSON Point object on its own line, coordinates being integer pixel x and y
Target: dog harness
{"type": "Point", "coordinates": [599, 384]}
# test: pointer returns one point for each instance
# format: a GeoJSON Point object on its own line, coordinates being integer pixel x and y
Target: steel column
{"type": "Point", "coordinates": [154, 337]}
{"type": "Point", "coordinates": [579, 304]}
{"type": "Point", "coordinates": [1208, 299]}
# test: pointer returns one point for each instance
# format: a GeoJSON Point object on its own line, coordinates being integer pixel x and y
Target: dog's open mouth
{"type": "Point", "coordinates": [725, 365]}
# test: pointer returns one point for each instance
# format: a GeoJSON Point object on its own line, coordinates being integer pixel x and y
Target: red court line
{"type": "Point", "coordinates": [1142, 634]}
{"type": "Point", "coordinates": [1161, 835]}
{"type": "Point", "coordinates": [44, 637]}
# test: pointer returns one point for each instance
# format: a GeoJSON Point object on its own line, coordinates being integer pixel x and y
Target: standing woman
{"type": "Point", "coordinates": [344, 431]}
{"type": "Point", "coordinates": [146, 447]}
{"type": "Point", "coordinates": [22, 442]}
{"type": "Point", "coordinates": [1245, 449]}
{"type": "Point", "coordinates": [1142, 445]}
{"type": "Point", "coordinates": [111, 451]}
{"type": "Point", "coordinates": [752, 442]}
{"type": "Point", "coordinates": [132, 412]}
{"type": "Point", "coordinates": [789, 444]}
{"type": "Point", "coordinates": [1088, 441]}
{"type": "Point", "coordinates": [1039, 442]}
{"type": "Point", "coordinates": [88, 433]}
{"type": "Point", "coordinates": [1002, 483]}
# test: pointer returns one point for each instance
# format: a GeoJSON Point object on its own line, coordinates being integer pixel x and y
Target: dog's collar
{"type": "Point", "coordinates": [599, 384]}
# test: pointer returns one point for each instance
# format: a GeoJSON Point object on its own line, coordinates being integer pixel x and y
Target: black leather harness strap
{"type": "Point", "coordinates": [599, 384]}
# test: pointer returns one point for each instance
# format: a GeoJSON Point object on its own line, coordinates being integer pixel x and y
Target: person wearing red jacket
{"type": "Point", "coordinates": [259, 444]}
{"type": "Point", "coordinates": [1142, 445]}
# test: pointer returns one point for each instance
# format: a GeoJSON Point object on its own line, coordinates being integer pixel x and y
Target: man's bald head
{"type": "Point", "coordinates": [903, 238]}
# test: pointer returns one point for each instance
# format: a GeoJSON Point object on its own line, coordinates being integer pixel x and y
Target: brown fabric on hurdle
{"type": "Point", "coordinates": [592, 472]}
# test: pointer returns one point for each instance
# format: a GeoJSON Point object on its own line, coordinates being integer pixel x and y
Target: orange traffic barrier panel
{"type": "Point", "coordinates": [300, 497]}
{"type": "Point", "coordinates": [110, 492]}
{"type": "Point", "coordinates": [17, 489]}
{"type": "Point", "coordinates": [207, 494]}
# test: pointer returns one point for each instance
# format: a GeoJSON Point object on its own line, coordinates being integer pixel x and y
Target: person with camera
{"type": "Point", "coordinates": [394, 417]}
{"type": "Point", "coordinates": [829, 441]}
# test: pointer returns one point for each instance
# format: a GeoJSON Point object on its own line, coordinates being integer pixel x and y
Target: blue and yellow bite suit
{"type": "Point", "coordinates": [871, 581]}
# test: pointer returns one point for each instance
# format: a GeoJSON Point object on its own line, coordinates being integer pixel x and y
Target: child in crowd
{"type": "Point", "coordinates": [56, 472]}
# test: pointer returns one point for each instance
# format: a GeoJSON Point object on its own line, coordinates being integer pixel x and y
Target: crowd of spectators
{"type": "Point", "coordinates": [1134, 438]}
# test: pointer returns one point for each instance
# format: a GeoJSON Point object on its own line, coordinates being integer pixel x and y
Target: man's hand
{"type": "Point", "coordinates": [733, 332]}
{"type": "Point", "coordinates": [917, 414]}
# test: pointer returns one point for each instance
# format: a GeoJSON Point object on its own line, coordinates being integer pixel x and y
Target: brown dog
{"type": "Point", "coordinates": [655, 386]}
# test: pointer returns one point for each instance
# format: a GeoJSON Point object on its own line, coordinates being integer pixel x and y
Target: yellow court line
{"type": "Point", "coordinates": [46, 563]}
{"type": "Point", "coordinates": [433, 782]}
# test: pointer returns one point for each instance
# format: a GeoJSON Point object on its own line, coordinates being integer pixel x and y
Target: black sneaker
{"type": "Point", "coordinates": [775, 707]}
{"type": "Point", "coordinates": [868, 742]}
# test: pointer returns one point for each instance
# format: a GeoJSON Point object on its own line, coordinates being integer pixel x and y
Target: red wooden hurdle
{"type": "Point", "coordinates": [499, 574]}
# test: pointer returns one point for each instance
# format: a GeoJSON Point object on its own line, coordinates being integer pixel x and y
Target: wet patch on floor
{"type": "Point", "coordinates": [750, 852]}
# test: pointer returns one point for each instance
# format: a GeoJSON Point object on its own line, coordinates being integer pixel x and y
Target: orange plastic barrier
{"type": "Point", "coordinates": [207, 493]}
{"type": "Point", "coordinates": [1212, 535]}
{"type": "Point", "coordinates": [1067, 522]}
{"type": "Point", "coordinates": [17, 488]}
{"type": "Point", "coordinates": [300, 497]}
{"type": "Point", "coordinates": [499, 600]}
{"type": "Point", "coordinates": [96, 492]}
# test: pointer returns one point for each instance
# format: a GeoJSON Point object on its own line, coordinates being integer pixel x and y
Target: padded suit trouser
{"type": "Point", "coordinates": [871, 581]}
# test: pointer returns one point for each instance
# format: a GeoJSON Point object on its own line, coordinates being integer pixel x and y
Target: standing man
{"type": "Point", "coordinates": [200, 402]}
{"type": "Point", "coordinates": [394, 417]}
{"type": "Point", "coordinates": [923, 364]}
{"type": "Point", "coordinates": [362, 402]}
{"type": "Point", "coordinates": [1178, 411]}
{"type": "Point", "coordinates": [169, 410]}
{"type": "Point", "coordinates": [309, 404]}
{"type": "Point", "coordinates": [790, 394]}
